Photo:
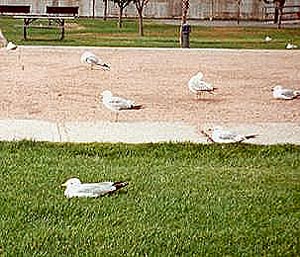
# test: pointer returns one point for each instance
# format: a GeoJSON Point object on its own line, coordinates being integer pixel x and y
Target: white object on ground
{"type": "Point", "coordinates": [268, 39]}
{"type": "Point", "coordinates": [74, 188]}
{"type": "Point", "coordinates": [11, 46]}
{"type": "Point", "coordinates": [220, 135]}
{"type": "Point", "coordinates": [117, 104]}
{"type": "Point", "coordinates": [197, 86]}
{"type": "Point", "coordinates": [3, 41]}
{"type": "Point", "coordinates": [91, 59]}
{"type": "Point", "coordinates": [291, 46]}
{"type": "Point", "coordinates": [286, 94]}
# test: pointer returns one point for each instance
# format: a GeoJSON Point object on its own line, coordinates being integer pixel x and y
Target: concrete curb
{"type": "Point", "coordinates": [138, 132]}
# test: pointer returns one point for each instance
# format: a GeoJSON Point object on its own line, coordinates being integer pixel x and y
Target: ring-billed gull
{"type": "Point", "coordinates": [268, 39]}
{"type": "Point", "coordinates": [291, 46]}
{"type": "Point", "coordinates": [286, 94]}
{"type": "Point", "coordinates": [91, 59]}
{"type": "Point", "coordinates": [198, 86]}
{"type": "Point", "coordinates": [74, 188]}
{"type": "Point", "coordinates": [117, 104]}
{"type": "Point", "coordinates": [11, 46]}
{"type": "Point", "coordinates": [219, 135]}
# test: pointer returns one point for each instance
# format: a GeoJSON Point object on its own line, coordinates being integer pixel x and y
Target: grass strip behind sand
{"type": "Point", "coordinates": [96, 32]}
{"type": "Point", "coordinates": [182, 200]}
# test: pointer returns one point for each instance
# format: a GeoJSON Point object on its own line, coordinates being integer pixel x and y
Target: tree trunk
{"type": "Point", "coordinates": [238, 11]}
{"type": "Point", "coordinates": [120, 17]}
{"type": "Point", "coordinates": [141, 28]}
{"type": "Point", "coordinates": [93, 8]}
{"type": "Point", "coordinates": [105, 10]}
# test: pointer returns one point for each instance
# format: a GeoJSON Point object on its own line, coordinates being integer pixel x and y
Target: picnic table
{"type": "Point", "coordinates": [55, 15]}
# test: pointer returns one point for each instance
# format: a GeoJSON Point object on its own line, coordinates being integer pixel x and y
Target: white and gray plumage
{"type": "Point", "coordinates": [285, 94]}
{"type": "Point", "coordinates": [291, 46]}
{"type": "Point", "coordinates": [91, 60]}
{"type": "Point", "coordinates": [268, 39]}
{"type": "Point", "coordinates": [74, 188]}
{"type": "Point", "coordinates": [11, 46]}
{"type": "Point", "coordinates": [117, 104]}
{"type": "Point", "coordinates": [198, 86]}
{"type": "Point", "coordinates": [219, 135]}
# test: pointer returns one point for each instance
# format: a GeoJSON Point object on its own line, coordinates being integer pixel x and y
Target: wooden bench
{"type": "Point", "coordinates": [14, 9]}
{"type": "Point", "coordinates": [289, 13]}
{"type": "Point", "coordinates": [54, 14]}
{"type": "Point", "coordinates": [62, 10]}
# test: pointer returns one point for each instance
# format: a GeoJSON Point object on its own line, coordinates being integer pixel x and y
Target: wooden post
{"type": "Point", "coordinates": [62, 29]}
{"type": "Point", "coordinates": [25, 22]}
{"type": "Point", "coordinates": [238, 11]}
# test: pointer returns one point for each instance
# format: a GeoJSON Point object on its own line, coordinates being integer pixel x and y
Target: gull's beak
{"type": "Point", "coordinates": [64, 184]}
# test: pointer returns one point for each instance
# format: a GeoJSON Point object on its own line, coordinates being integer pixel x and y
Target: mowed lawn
{"type": "Point", "coordinates": [96, 32]}
{"type": "Point", "coordinates": [182, 200]}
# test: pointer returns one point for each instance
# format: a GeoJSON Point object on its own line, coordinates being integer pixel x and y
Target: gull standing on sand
{"type": "Point", "coordinates": [117, 104]}
{"type": "Point", "coordinates": [91, 59]}
{"type": "Point", "coordinates": [219, 135]}
{"type": "Point", "coordinates": [198, 86]}
{"type": "Point", "coordinates": [74, 188]}
{"type": "Point", "coordinates": [285, 94]}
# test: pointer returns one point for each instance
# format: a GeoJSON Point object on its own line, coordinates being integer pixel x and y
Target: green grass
{"type": "Point", "coordinates": [89, 32]}
{"type": "Point", "coordinates": [182, 200]}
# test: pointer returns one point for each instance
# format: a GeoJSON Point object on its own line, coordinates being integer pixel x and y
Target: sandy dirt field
{"type": "Point", "coordinates": [50, 84]}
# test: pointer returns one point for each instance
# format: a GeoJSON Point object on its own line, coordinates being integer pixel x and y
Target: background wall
{"type": "Point", "coordinates": [199, 9]}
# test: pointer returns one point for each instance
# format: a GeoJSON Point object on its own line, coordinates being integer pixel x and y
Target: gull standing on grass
{"type": "Point", "coordinates": [198, 86]}
{"type": "Point", "coordinates": [74, 188]}
{"type": "Point", "coordinates": [268, 39]}
{"type": "Point", "coordinates": [11, 46]}
{"type": "Point", "coordinates": [291, 46]}
{"type": "Point", "coordinates": [90, 59]}
{"type": "Point", "coordinates": [285, 94]}
{"type": "Point", "coordinates": [219, 135]}
{"type": "Point", "coordinates": [117, 104]}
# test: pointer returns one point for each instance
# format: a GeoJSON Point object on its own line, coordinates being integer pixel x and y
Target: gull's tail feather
{"type": "Point", "coordinates": [297, 93]}
{"type": "Point", "coordinates": [251, 136]}
{"type": "Point", "coordinates": [120, 184]}
{"type": "Point", "coordinates": [137, 107]}
{"type": "Point", "coordinates": [104, 66]}
{"type": "Point", "coordinates": [212, 91]}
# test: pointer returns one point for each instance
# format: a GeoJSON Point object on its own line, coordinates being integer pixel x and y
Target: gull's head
{"type": "Point", "coordinates": [106, 94]}
{"type": "Point", "coordinates": [278, 87]}
{"type": "Point", "coordinates": [200, 75]}
{"type": "Point", "coordinates": [71, 182]}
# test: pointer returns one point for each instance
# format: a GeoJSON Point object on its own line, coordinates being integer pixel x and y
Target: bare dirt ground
{"type": "Point", "coordinates": [50, 83]}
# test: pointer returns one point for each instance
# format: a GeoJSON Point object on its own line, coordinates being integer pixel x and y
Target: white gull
{"type": "Point", "coordinates": [117, 104]}
{"type": "Point", "coordinates": [219, 135]}
{"type": "Point", "coordinates": [285, 94]}
{"type": "Point", "coordinates": [91, 59]}
{"type": "Point", "coordinates": [74, 188]}
{"type": "Point", "coordinates": [198, 86]}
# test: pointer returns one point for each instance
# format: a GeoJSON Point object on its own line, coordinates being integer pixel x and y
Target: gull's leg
{"type": "Point", "coordinates": [117, 115]}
